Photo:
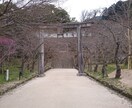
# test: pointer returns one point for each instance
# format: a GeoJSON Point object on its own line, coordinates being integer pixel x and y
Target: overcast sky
{"type": "Point", "coordinates": [75, 7]}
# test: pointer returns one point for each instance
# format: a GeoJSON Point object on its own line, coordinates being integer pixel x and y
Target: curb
{"type": "Point", "coordinates": [111, 86]}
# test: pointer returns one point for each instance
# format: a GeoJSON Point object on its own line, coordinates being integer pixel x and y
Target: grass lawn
{"type": "Point", "coordinates": [110, 69]}
{"type": "Point", "coordinates": [13, 75]}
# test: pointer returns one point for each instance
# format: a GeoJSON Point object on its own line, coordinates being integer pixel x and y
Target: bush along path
{"type": "Point", "coordinates": [112, 83]}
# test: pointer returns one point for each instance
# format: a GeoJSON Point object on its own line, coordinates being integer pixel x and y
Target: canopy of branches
{"type": "Point", "coordinates": [13, 18]}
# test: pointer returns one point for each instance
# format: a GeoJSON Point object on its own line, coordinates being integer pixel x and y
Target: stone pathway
{"type": "Point", "coordinates": [62, 88]}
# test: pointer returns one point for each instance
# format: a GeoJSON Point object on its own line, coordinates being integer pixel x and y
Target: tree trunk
{"type": "Point", "coordinates": [89, 65]}
{"type": "Point", "coordinates": [1, 70]}
{"type": "Point", "coordinates": [118, 69]}
{"type": "Point", "coordinates": [104, 71]}
{"type": "Point", "coordinates": [21, 72]}
{"type": "Point", "coordinates": [33, 65]}
{"type": "Point", "coordinates": [130, 49]}
{"type": "Point", "coordinates": [96, 68]}
{"type": "Point", "coordinates": [28, 66]}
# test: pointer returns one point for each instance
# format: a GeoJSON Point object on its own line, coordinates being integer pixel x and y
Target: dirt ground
{"type": "Point", "coordinates": [126, 77]}
{"type": "Point", "coordinates": [7, 86]}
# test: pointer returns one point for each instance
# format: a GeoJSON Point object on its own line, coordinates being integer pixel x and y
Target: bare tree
{"type": "Point", "coordinates": [109, 44]}
{"type": "Point", "coordinates": [121, 13]}
{"type": "Point", "coordinates": [88, 15]}
{"type": "Point", "coordinates": [13, 25]}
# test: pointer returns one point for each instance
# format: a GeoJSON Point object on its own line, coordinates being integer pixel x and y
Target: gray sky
{"type": "Point", "coordinates": [75, 7]}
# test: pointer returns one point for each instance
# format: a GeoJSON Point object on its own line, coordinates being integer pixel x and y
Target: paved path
{"type": "Point", "coordinates": [61, 88]}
